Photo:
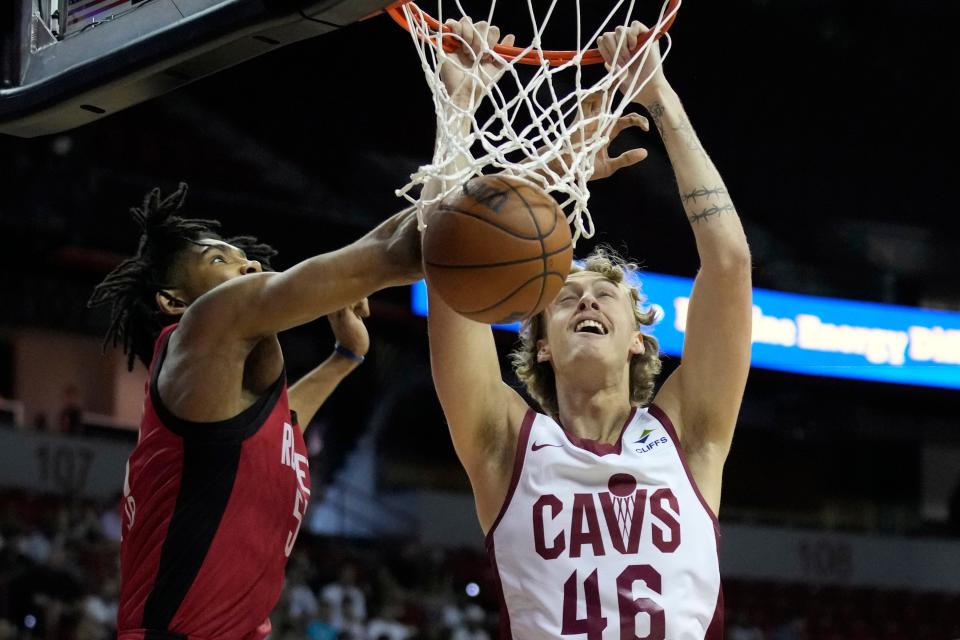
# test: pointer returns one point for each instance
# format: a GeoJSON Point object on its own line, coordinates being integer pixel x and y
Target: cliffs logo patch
{"type": "Point", "coordinates": [644, 436]}
{"type": "Point", "coordinates": [647, 443]}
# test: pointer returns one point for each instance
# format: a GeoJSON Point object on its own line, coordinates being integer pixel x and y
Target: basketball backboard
{"type": "Point", "coordinates": [64, 63]}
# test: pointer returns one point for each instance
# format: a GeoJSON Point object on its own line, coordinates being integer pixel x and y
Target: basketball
{"type": "Point", "coordinates": [498, 250]}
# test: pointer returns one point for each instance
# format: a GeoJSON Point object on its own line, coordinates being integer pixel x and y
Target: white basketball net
{"type": "Point", "coordinates": [534, 132]}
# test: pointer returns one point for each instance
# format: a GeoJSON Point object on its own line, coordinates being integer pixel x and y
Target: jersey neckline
{"type": "Point", "coordinates": [595, 446]}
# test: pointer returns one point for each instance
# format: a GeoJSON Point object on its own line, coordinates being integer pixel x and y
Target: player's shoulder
{"type": "Point", "coordinates": [161, 341]}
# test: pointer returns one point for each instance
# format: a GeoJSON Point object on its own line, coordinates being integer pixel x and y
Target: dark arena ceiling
{"type": "Point", "coordinates": [829, 122]}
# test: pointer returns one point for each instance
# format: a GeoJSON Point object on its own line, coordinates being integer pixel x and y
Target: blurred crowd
{"type": "Point", "coordinates": [59, 567]}
{"type": "Point", "coordinates": [393, 591]}
{"type": "Point", "coordinates": [759, 610]}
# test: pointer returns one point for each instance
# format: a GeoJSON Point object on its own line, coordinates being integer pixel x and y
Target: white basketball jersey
{"type": "Point", "coordinates": [606, 542]}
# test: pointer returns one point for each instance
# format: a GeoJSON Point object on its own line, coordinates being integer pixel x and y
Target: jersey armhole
{"type": "Point", "coordinates": [523, 439]}
{"type": "Point", "coordinates": [661, 416]}
{"type": "Point", "coordinates": [238, 428]}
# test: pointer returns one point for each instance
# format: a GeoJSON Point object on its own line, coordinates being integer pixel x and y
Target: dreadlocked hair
{"type": "Point", "coordinates": [130, 289]}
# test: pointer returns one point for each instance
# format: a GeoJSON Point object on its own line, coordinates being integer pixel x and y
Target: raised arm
{"type": "Point", "coordinates": [263, 304]}
{"type": "Point", "coordinates": [309, 393]}
{"type": "Point", "coordinates": [703, 395]}
{"type": "Point", "coordinates": [483, 413]}
{"type": "Point", "coordinates": [224, 353]}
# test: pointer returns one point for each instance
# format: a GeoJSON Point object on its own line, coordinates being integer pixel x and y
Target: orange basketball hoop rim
{"type": "Point", "coordinates": [534, 56]}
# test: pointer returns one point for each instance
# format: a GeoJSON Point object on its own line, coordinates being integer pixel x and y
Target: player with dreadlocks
{"type": "Point", "coordinates": [217, 486]}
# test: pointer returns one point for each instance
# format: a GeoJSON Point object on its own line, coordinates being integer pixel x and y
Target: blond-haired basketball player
{"type": "Point", "coordinates": [600, 512]}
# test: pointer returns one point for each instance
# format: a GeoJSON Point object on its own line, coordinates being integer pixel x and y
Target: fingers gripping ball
{"type": "Point", "coordinates": [498, 250]}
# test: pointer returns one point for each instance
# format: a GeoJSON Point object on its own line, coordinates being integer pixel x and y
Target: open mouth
{"type": "Point", "coordinates": [590, 326]}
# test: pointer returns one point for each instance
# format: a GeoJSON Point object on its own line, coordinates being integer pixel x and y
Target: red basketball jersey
{"type": "Point", "coordinates": [210, 514]}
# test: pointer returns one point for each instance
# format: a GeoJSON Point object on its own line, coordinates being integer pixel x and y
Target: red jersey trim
{"type": "Point", "coordinates": [522, 439]}
{"type": "Point", "coordinates": [600, 448]}
{"type": "Point", "coordinates": [716, 629]}
{"type": "Point", "coordinates": [662, 417]}
{"type": "Point", "coordinates": [506, 633]}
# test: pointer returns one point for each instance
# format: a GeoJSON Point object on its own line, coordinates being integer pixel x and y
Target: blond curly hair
{"type": "Point", "coordinates": [538, 377]}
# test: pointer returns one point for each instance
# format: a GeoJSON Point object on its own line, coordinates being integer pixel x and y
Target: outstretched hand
{"type": "Point", "coordinates": [617, 49]}
{"type": "Point", "coordinates": [348, 327]}
{"type": "Point", "coordinates": [469, 70]}
{"type": "Point", "coordinates": [585, 128]}
{"type": "Point", "coordinates": [400, 236]}
{"type": "Point", "coordinates": [603, 165]}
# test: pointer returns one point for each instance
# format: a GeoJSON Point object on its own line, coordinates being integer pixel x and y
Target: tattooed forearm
{"type": "Point", "coordinates": [711, 211]}
{"type": "Point", "coordinates": [683, 129]}
{"type": "Point", "coordinates": [656, 113]}
{"type": "Point", "coordinates": [703, 192]}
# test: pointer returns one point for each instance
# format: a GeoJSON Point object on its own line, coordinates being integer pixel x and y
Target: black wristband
{"type": "Point", "coordinates": [346, 353]}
